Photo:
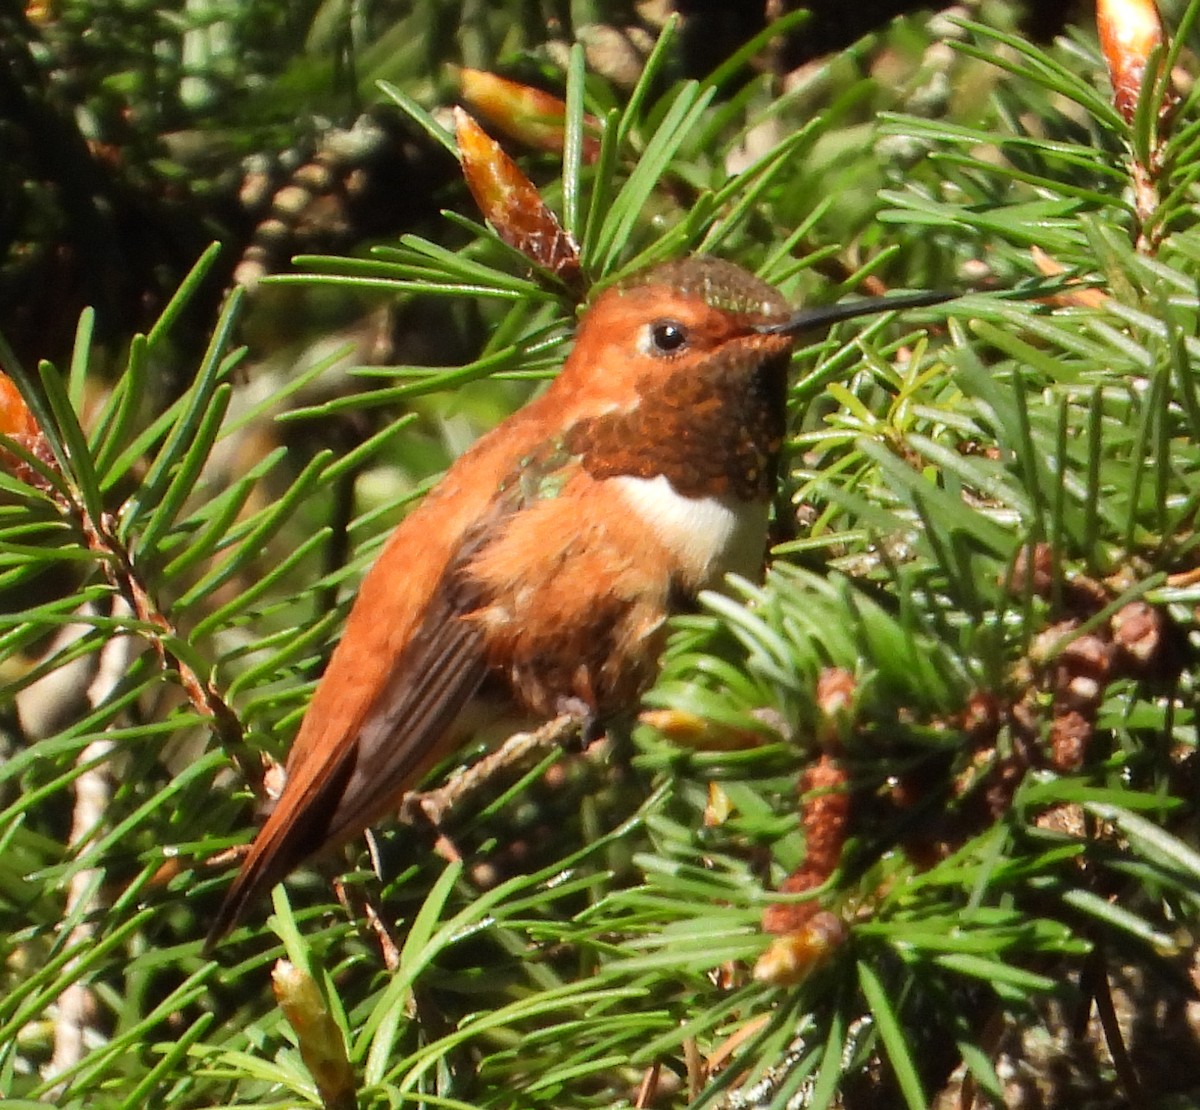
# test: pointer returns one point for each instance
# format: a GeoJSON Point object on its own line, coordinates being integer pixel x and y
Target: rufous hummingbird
{"type": "Point", "coordinates": [538, 575]}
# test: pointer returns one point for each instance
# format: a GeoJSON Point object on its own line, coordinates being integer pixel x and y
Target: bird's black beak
{"type": "Point", "coordinates": [824, 315]}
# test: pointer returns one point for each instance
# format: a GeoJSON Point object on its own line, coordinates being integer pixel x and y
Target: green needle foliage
{"type": "Point", "coordinates": [986, 549]}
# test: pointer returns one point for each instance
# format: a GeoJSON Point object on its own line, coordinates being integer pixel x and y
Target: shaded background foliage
{"type": "Point", "coordinates": [972, 656]}
{"type": "Point", "coordinates": [134, 135]}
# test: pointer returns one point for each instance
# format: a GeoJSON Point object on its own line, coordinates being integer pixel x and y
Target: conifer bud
{"type": "Point", "coordinates": [21, 426]}
{"type": "Point", "coordinates": [512, 204]}
{"type": "Point", "coordinates": [526, 114]}
{"type": "Point", "coordinates": [1130, 31]}
{"type": "Point", "coordinates": [318, 1037]}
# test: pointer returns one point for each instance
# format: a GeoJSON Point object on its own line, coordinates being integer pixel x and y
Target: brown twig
{"type": "Point", "coordinates": [357, 901]}
{"type": "Point", "coordinates": [205, 698]}
{"type": "Point", "coordinates": [519, 751]}
{"type": "Point", "coordinates": [648, 1088]}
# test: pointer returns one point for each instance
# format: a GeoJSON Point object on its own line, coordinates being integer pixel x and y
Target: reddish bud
{"type": "Point", "coordinates": [511, 202]}
{"type": "Point", "coordinates": [20, 425]}
{"type": "Point", "coordinates": [16, 421]}
{"type": "Point", "coordinates": [1130, 31]}
{"type": "Point", "coordinates": [719, 807]}
{"type": "Point", "coordinates": [529, 115]}
{"type": "Point", "coordinates": [41, 12]}
{"type": "Point", "coordinates": [1075, 295]}
{"type": "Point", "coordinates": [690, 730]}
{"type": "Point", "coordinates": [790, 958]}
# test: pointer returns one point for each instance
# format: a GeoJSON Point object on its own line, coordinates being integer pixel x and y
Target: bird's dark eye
{"type": "Point", "coordinates": [667, 336]}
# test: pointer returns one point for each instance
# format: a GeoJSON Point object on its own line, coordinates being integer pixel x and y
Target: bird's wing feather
{"type": "Point", "coordinates": [326, 803]}
{"type": "Point", "coordinates": [437, 675]}
{"type": "Point", "coordinates": [338, 789]}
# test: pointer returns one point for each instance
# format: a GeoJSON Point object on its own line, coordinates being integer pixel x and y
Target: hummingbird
{"type": "Point", "coordinates": [537, 576]}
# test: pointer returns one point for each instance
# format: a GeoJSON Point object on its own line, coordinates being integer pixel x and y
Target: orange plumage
{"type": "Point", "coordinates": [545, 563]}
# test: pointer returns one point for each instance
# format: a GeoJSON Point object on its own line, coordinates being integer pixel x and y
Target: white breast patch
{"type": "Point", "coordinates": [710, 536]}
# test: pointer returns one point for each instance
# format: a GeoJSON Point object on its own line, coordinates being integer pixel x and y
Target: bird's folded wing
{"type": "Point", "coordinates": [338, 790]}
{"type": "Point", "coordinates": [339, 783]}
